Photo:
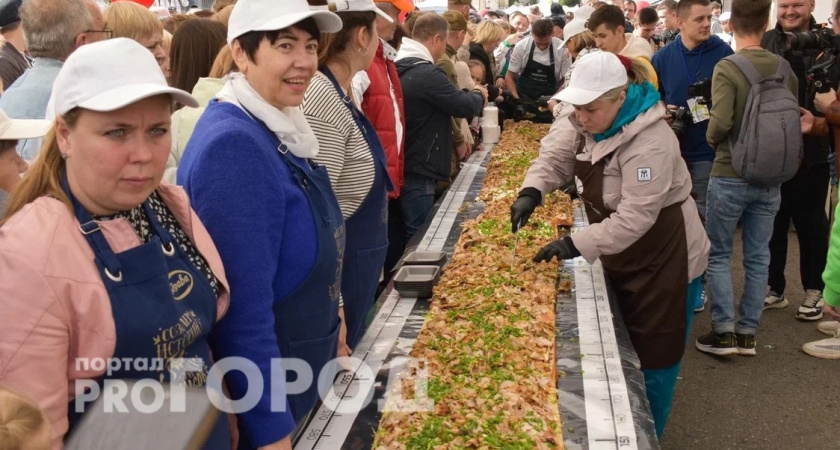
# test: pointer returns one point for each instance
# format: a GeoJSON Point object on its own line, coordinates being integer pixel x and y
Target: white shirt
{"type": "Point", "coordinates": [519, 58]}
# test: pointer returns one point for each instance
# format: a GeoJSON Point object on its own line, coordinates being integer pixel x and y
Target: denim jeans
{"type": "Point", "coordinates": [699, 171]}
{"type": "Point", "coordinates": [417, 200]}
{"type": "Point", "coordinates": [731, 200]}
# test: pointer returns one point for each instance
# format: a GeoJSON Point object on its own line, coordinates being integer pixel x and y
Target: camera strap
{"type": "Point", "coordinates": [692, 77]}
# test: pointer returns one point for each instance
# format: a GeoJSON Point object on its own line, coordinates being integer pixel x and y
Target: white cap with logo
{"type": "Point", "coordinates": [595, 74]}
{"type": "Point", "coordinates": [357, 6]}
{"type": "Point", "coordinates": [109, 75]}
{"type": "Point", "coordinates": [271, 15]}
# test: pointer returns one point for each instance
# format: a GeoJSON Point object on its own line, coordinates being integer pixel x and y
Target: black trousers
{"type": "Point", "coordinates": [803, 201]}
{"type": "Point", "coordinates": [396, 238]}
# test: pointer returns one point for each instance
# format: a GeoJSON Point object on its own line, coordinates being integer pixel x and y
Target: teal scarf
{"type": "Point", "coordinates": [640, 98]}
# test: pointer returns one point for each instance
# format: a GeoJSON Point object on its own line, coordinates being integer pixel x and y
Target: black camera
{"type": "Point", "coordinates": [818, 39]}
{"type": "Point", "coordinates": [657, 39]}
{"type": "Point", "coordinates": [682, 118]}
{"type": "Point", "coordinates": [821, 78]}
{"type": "Point", "coordinates": [702, 90]}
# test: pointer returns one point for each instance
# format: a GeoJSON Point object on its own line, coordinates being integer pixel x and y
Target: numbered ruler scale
{"type": "Point", "coordinates": [609, 418]}
{"type": "Point", "coordinates": [331, 423]}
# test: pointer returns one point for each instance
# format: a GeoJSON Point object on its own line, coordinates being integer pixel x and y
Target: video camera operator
{"type": "Point", "coordinates": [803, 198]}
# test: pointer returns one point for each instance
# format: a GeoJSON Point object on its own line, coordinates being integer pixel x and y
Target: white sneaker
{"type": "Point", "coordinates": [775, 301]}
{"type": "Point", "coordinates": [829, 327]}
{"type": "Point", "coordinates": [825, 348]}
{"type": "Point", "coordinates": [812, 306]}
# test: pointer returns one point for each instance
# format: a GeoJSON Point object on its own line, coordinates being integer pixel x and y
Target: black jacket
{"type": "Point", "coordinates": [477, 53]}
{"type": "Point", "coordinates": [430, 103]}
{"type": "Point", "coordinates": [816, 148]}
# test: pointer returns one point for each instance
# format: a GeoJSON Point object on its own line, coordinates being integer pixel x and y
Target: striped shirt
{"type": "Point", "coordinates": [343, 149]}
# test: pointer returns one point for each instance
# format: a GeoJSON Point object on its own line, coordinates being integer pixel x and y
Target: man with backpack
{"type": "Point", "coordinates": [756, 132]}
{"type": "Point", "coordinates": [804, 196]}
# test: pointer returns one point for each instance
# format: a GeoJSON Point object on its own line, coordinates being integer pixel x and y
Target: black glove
{"type": "Point", "coordinates": [562, 249]}
{"type": "Point", "coordinates": [570, 189]}
{"type": "Point", "coordinates": [521, 210]}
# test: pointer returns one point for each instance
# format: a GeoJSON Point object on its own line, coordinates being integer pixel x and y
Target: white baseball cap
{"type": "Point", "coordinates": [577, 25]}
{"type": "Point", "coordinates": [724, 17]}
{"type": "Point", "coordinates": [14, 129]}
{"type": "Point", "coordinates": [595, 74]}
{"type": "Point", "coordinates": [357, 5]}
{"type": "Point", "coordinates": [270, 15]}
{"type": "Point", "coordinates": [109, 75]}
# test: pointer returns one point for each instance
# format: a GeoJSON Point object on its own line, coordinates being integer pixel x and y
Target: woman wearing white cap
{"type": "Point", "coordinates": [99, 262]}
{"type": "Point", "coordinates": [249, 170]}
{"type": "Point", "coordinates": [11, 164]}
{"type": "Point", "coordinates": [354, 157]}
{"type": "Point", "coordinates": [644, 225]}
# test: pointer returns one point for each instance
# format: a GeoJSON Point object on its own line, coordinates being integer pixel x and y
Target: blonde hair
{"type": "Point", "coordinates": [22, 424]}
{"type": "Point", "coordinates": [166, 42]}
{"type": "Point", "coordinates": [223, 15]}
{"type": "Point", "coordinates": [638, 74]}
{"type": "Point", "coordinates": [583, 40]}
{"type": "Point", "coordinates": [131, 20]}
{"type": "Point", "coordinates": [488, 31]}
{"type": "Point", "coordinates": [44, 175]}
{"type": "Point", "coordinates": [223, 64]}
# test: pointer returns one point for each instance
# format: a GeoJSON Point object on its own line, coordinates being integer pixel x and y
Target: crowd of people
{"type": "Point", "coordinates": [242, 182]}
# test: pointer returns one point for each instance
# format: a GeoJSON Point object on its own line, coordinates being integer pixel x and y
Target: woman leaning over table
{"type": "Point", "coordinates": [92, 239]}
{"type": "Point", "coordinates": [350, 150]}
{"type": "Point", "coordinates": [644, 225]}
{"type": "Point", "coordinates": [271, 210]}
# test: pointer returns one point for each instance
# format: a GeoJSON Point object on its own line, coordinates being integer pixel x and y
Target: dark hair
{"type": "Point", "coordinates": [750, 17]}
{"type": "Point", "coordinates": [669, 5]}
{"type": "Point", "coordinates": [251, 40]}
{"type": "Point", "coordinates": [558, 21]}
{"type": "Point", "coordinates": [399, 34]}
{"type": "Point", "coordinates": [635, 7]}
{"type": "Point", "coordinates": [647, 16]}
{"type": "Point", "coordinates": [428, 26]}
{"type": "Point", "coordinates": [610, 16]}
{"type": "Point", "coordinates": [335, 44]}
{"type": "Point", "coordinates": [10, 27]}
{"type": "Point", "coordinates": [557, 9]}
{"type": "Point", "coordinates": [542, 28]}
{"type": "Point", "coordinates": [684, 6]}
{"type": "Point", "coordinates": [194, 48]}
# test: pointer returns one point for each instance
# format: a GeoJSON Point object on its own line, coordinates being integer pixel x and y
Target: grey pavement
{"type": "Point", "coordinates": [779, 399]}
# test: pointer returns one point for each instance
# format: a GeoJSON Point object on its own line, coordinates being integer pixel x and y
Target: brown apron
{"type": "Point", "coordinates": [650, 278]}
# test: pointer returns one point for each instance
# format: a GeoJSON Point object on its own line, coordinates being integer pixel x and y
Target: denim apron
{"type": "Point", "coordinates": [367, 232]}
{"type": "Point", "coordinates": [306, 320]}
{"type": "Point", "coordinates": [163, 307]}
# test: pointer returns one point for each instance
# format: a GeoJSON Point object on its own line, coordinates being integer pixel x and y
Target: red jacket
{"type": "Point", "coordinates": [378, 106]}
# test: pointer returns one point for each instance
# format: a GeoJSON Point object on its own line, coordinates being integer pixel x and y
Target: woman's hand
{"type": "Point", "coordinates": [500, 83]}
{"type": "Point", "coordinates": [344, 350]}
{"type": "Point", "coordinates": [806, 120]}
{"type": "Point", "coordinates": [831, 312]}
{"type": "Point", "coordinates": [513, 39]}
{"type": "Point", "coordinates": [823, 101]}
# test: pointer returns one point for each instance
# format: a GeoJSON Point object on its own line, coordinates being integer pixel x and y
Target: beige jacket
{"type": "Point", "coordinates": [646, 143]}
